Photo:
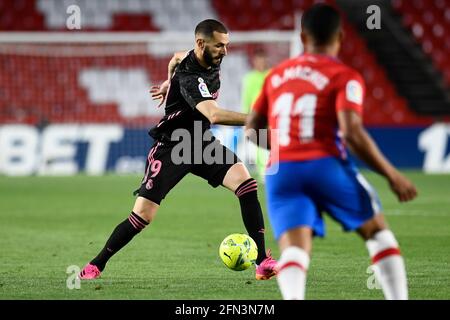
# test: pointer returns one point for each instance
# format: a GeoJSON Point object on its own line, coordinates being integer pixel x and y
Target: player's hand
{"type": "Point", "coordinates": [160, 92]}
{"type": "Point", "coordinates": [402, 187]}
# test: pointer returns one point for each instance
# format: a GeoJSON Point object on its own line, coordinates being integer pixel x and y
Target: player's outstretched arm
{"type": "Point", "coordinates": [364, 147]}
{"type": "Point", "coordinates": [211, 110]}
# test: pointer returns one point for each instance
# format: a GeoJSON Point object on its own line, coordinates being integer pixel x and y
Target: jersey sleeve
{"type": "Point", "coordinates": [261, 104]}
{"type": "Point", "coordinates": [193, 89]}
{"type": "Point", "coordinates": [350, 92]}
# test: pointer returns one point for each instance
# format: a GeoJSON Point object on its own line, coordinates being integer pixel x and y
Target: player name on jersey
{"type": "Point", "coordinates": [306, 73]}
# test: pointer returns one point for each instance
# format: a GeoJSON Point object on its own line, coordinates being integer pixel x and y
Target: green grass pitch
{"type": "Point", "coordinates": [50, 223]}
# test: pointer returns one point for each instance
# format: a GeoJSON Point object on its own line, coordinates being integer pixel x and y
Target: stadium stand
{"type": "Point", "coordinates": [427, 24]}
{"type": "Point", "coordinates": [59, 88]}
{"type": "Point", "coordinates": [407, 64]}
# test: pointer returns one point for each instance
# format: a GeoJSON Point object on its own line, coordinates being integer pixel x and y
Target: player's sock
{"type": "Point", "coordinates": [121, 235]}
{"type": "Point", "coordinates": [291, 276]}
{"type": "Point", "coordinates": [388, 265]}
{"type": "Point", "coordinates": [252, 215]}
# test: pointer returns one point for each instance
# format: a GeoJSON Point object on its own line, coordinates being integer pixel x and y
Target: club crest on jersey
{"type": "Point", "coordinates": [354, 92]}
{"type": "Point", "coordinates": [203, 88]}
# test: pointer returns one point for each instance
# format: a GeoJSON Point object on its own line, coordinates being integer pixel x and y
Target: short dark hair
{"type": "Point", "coordinates": [208, 26]}
{"type": "Point", "coordinates": [322, 22]}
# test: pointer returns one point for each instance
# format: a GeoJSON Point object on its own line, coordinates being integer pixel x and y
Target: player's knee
{"type": "Point", "coordinates": [300, 237]}
{"type": "Point", "coordinates": [235, 176]}
{"type": "Point", "coordinates": [368, 233]}
{"type": "Point", "coordinates": [146, 215]}
{"type": "Point", "coordinates": [372, 227]}
{"type": "Point", "coordinates": [145, 209]}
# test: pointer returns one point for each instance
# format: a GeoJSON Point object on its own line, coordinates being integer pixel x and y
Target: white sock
{"type": "Point", "coordinates": [291, 276]}
{"type": "Point", "coordinates": [388, 265]}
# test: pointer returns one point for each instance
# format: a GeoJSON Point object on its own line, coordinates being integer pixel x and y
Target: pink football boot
{"type": "Point", "coordinates": [89, 272]}
{"type": "Point", "coordinates": [266, 269]}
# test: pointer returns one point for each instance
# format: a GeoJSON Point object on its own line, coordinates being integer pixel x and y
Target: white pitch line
{"type": "Point", "coordinates": [418, 213]}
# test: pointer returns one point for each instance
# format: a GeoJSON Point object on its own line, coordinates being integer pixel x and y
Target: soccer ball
{"type": "Point", "coordinates": [238, 251]}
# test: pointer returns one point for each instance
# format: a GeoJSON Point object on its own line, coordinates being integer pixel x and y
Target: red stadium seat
{"type": "Point", "coordinates": [428, 24]}
{"type": "Point", "coordinates": [62, 98]}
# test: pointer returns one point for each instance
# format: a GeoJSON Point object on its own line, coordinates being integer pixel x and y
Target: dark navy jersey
{"type": "Point", "coordinates": [190, 85]}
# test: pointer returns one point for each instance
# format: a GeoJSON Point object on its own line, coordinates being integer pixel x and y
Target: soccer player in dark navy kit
{"type": "Point", "coordinates": [183, 144]}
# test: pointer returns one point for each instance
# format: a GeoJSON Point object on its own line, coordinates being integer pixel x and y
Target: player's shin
{"type": "Point", "coordinates": [121, 235]}
{"type": "Point", "coordinates": [388, 265]}
{"type": "Point", "coordinates": [252, 215]}
{"type": "Point", "coordinates": [291, 273]}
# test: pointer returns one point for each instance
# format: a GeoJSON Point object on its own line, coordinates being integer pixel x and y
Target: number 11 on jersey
{"type": "Point", "coordinates": [285, 109]}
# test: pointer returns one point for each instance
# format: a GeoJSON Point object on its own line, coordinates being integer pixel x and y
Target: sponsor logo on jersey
{"type": "Point", "coordinates": [203, 88]}
{"type": "Point", "coordinates": [354, 92]}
